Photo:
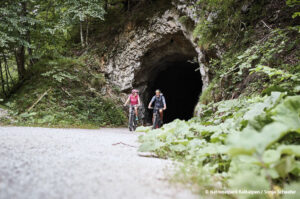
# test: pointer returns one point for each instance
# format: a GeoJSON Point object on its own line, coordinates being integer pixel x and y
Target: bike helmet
{"type": "Point", "coordinates": [134, 91]}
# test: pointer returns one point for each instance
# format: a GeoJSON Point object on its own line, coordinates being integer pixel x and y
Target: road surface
{"type": "Point", "coordinates": [41, 163]}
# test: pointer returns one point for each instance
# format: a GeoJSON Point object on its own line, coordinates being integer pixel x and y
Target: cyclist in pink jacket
{"type": "Point", "coordinates": [134, 100]}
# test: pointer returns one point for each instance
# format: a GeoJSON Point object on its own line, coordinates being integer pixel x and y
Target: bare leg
{"type": "Point", "coordinates": [161, 114]}
{"type": "Point", "coordinates": [136, 111]}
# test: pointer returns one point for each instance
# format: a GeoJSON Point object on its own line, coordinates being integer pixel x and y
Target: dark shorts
{"type": "Point", "coordinates": [155, 108]}
{"type": "Point", "coordinates": [133, 106]}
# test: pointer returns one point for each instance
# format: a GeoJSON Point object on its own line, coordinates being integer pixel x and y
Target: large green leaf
{"type": "Point", "coordinates": [211, 149]}
{"type": "Point", "coordinates": [286, 119]}
{"type": "Point", "coordinates": [247, 180]}
{"type": "Point", "coordinates": [178, 148]}
{"type": "Point", "coordinates": [289, 150]}
{"type": "Point", "coordinates": [150, 146]}
{"type": "Point", "coordinates": [288, 112]}
{"type": "Point", "coordinates": [284, 166]}
{"type": "Point", "coordinates": [259, 108]}
{"type": "Point", "coordinates": [270, 156]}
{"type": "Point", "coordinates": [293, 189]}
{"type": "Point", "coordinates": [145, 129]}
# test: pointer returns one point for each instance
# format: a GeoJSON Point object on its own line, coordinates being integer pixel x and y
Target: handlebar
{"type": "Point", "coordinates": [156, 108]}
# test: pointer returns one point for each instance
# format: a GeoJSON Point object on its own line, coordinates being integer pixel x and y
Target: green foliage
{"type": "Point", "coordinates": [143, 129]}
{"type": "Point", "coordinates": [234, 139]}
{"type": "Point", "coordinates": [294, 3]}
{"type": "Point", "coordinates": [98, 81]}
{"type": "Point", "coordinates": [39, 30]}
{"type": "Point", "coordinates": [230, 24]}
{"type": "Point", "coordinates": [13, 25]}
{"type": "Point", "coordinates": [271, 72]}
{"type": "Point", "coordinates": [183, 19]}
{"type": "Point", "coordinates": [221, 22]}
{"type": "Point", "coordinates": [265, 66]}
{"type": "Point", "coordinates": [59, 75]}
{"type": "Point", "coordinates": [209, 93]}
{"type": "Point", "coordinates": [82, 9]}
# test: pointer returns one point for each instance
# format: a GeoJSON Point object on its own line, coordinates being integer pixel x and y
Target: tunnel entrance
{"type": "Point", "coordinates": [168, 66]}
{"type": "Point", "coordinates": [181, 85]}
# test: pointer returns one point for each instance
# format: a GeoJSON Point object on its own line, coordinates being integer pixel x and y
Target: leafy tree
{"type": "Point", "coordinates": [15, 27]}
{"type": "Point", "coordinates": [30, 30]}
{"type": "Point", "coordinates": [83, 11]}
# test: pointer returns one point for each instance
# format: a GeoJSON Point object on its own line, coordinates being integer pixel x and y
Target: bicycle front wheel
{"type": "Point", "coordinates": [130, 123]}
{"type": "Point", "coordinates": [155, 121]}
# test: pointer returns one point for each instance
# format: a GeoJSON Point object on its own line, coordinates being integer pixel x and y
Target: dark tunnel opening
{"type": "Point", "coordinates": [181, 85]}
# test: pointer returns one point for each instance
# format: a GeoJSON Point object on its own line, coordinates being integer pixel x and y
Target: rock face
{"type": "Point", "coordinates": [188, 7]}
{"type": "Point", "coordinates": [137, 53]}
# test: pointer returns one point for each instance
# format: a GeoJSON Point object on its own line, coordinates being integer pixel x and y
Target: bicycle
{"type": "Point", "coordinates": [132, 122]}
{"type": "Point", "coordinates": [157, 122]}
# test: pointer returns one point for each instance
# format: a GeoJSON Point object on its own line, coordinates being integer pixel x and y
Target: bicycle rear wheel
{"type": "Point", "coordinates": [158, 122]}
{"type": "Point", "coordinates": [134, 124]}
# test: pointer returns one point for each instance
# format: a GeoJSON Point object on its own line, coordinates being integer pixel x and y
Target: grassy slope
{"type": "Point", "coordinates": [73, 98]}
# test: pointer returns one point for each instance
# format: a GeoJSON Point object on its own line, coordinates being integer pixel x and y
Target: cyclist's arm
{"type": "Point", "coordinates": [164, 102]}
{"type": "Point", "coordinates": [152, 100]}
{"type": "Point", "coordinates": [127, 101]}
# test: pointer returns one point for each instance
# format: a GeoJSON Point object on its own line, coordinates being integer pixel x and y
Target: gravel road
{"type": "Point", "coordinates": [41, 163]}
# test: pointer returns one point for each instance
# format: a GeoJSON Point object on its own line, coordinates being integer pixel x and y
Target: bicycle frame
{"type": "Point", "coordinates": [156, 118]}
{"type": "Point", "coordinates": [132, 124]}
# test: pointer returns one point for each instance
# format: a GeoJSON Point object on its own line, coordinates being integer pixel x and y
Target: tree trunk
{"type": "Point", "coordinates": [105, 5]}
{"type": "Point", "coordinates": [87, 33]}
{"type": "Point", "coordinates": [20, 51]}
{"type": "Point", "coordinates": [6, 66]}
{"type": "Point", "coordinates": [20, 59]}
{"type": "Point", "coordinates": [2, 79]}
{"type": "Point", "coordinates": [31, 60]}
{"type": "Point", "coordinates": [7, 77]}
{"type": "Point", "coordinates": [81, 35]}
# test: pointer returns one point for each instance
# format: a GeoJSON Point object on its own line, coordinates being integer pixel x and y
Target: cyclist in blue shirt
{"type": "Point", "coordinates": [159, 103]}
